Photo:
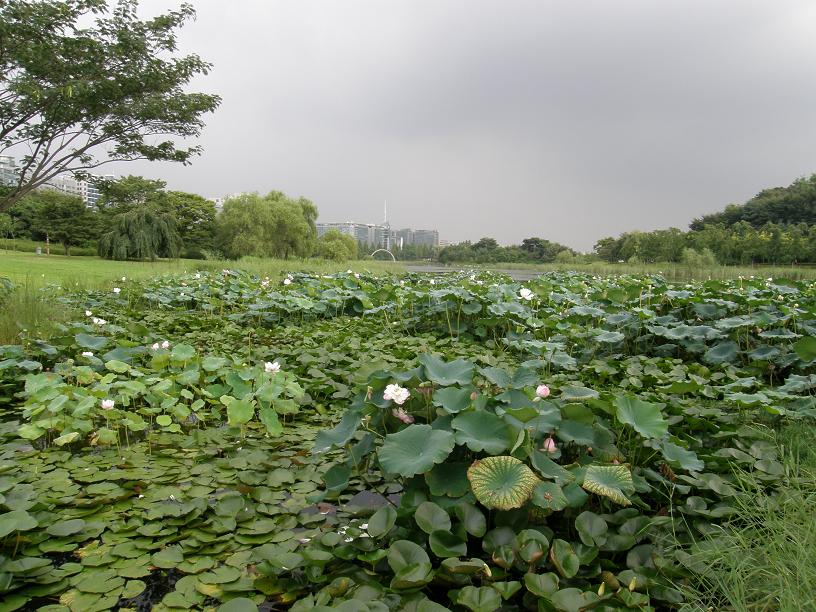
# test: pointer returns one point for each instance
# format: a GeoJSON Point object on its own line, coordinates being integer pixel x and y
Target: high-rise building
{"type": "Point", "coordinates": [8, 170]}
{"type": "Point", "coordinates": [365, 233]}
{"type": "Point", "coordinates": [382, 236]}
{"type": "Point", "coordinates": [426, 237]}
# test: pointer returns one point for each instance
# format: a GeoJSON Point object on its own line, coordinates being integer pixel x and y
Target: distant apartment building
{"type": "Point", "coordinates": [420, 237]}
{"type": "Point", "coordinates": [9, 175]}
{"type": "Point", "coordinates": [87, 190]}
{"type": "Point", "coordinates": [8, 170]}
{"type": "Point", "coordinates": [365, 233]}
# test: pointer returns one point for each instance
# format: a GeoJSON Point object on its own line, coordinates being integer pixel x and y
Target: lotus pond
{"type": "Point", "coordinates": [219, 441]}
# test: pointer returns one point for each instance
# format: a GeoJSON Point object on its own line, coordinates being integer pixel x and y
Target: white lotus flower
{"type": "Point", "coordinates": [165, 344]}
{"type": "Point", "coordinates": [397, 394]}
{"type": "Point", "coordinates": [124, 279]}
{"type": "Point", "coordinates": [432, 281]}
{"type": "Point", "coordinates": [87, 354]}
{"type": "Point", "coordinates": [116, 290]}
{"type": "Point", "coordinates": [88, 313]}
{"type": "Point", "coordinates": [98, 321]}
{"type": "Point", "coordinates": [107, 404]}
{"type": "Point", "coordinates": [526, 294]}
{"type": "Point", "coordinates": [155, 346]}
{"type": "Point", "coordinates": [198, 275]}
{"type": "Point", "coordinates": [271, 367]}
{"type": "Point", "coordinates": [287, 281]}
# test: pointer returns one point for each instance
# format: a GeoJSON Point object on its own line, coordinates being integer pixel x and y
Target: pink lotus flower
{"type": "Point", "coordinates": [402, 416]}
{"type": "Point", "coordinates": [549, 445]}
{"type": "Point", "coordinates": [542, 391]}
{"type": "Point", "coordinates": [107, 404]}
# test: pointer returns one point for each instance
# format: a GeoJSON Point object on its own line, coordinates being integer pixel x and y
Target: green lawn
{"type": "Point", "coordinates": [39, 270]}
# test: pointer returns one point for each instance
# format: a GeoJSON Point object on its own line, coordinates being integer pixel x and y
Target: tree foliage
{"type": "Point", "coordinates": [141, 233]}
{"type": "Point", "coordinates": [273, 225]}
{"type": "Point", "coordinates": [789, 205]}
{"type": "Point", "coordinates": [78, 77]}
{"type": "Point", "coordinates": [336, 246]}
{"type": "Point", "coordinates": [63, 218]}
{"type": "Point", "coordinates": [488, 250]}
{"type": "Point", "coordinates": [194, 215]}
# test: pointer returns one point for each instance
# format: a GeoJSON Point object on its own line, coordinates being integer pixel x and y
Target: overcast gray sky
{"type": "Point", "coordinates": [567, 120]}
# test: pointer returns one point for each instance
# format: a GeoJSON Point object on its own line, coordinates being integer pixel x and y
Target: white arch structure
{"type": "Point", "coordinates": [384, 251]}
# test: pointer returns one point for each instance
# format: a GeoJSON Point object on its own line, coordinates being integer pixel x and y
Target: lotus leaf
{"type": "Point", "coordinates": [415, 450]}
{"type": "Point", "coordinates": [611, 481]}
{"type": "Point", "coordinates": [501, 482]}
{"type": "Point", "coordinates": [645, 417]}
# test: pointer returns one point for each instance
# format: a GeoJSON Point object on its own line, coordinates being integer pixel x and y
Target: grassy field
{"type": "Point", "coordinates": [38, 270]}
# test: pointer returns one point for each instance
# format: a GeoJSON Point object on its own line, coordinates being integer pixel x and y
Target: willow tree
{"type": "Point", "coordinates": [141, 233]}
{"type": "Point", "coordinates": [266, 226]}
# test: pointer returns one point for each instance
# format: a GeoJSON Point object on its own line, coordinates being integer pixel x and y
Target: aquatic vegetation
{"type": "Point", "coordinates": [357, 442]}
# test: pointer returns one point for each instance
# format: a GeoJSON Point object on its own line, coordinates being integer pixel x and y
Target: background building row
{"type": "Point", "coordinates": [9, 175]}
{"type": "Point", "coordinates": [382, 236]}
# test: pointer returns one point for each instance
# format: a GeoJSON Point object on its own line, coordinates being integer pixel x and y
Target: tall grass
{"type": "Point", "coordinates": [670, 271]}
{"type": "Point", "coordinates": [765, 558]}
{"type": "Point", "coordinates": [26, 313]}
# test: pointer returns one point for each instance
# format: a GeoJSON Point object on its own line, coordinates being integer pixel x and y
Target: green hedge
{"type": "Point", "coordinates": [30, 246]}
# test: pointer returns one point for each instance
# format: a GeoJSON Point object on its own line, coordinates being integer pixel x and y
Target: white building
{"type": "Point", "coordinates": [8, 170]}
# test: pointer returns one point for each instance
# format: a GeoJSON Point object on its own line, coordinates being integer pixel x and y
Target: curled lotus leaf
{"type": "Point", "coordinates": [501, 482]}
{"type": "Point", "coordinates": [612, 481]}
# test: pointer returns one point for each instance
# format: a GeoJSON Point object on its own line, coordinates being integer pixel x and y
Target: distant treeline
{"type": "Point", "coordinates": [138, 218]}
{"type": "Point", "coordinates": [487, 250]}
{"type": "Point", "coordinates": [777, 226]}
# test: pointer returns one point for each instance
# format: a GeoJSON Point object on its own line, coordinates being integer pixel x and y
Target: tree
{"type": "Point", "coordinates": [127, 192]}
{"type": "Point", "coordinates": [63, 218]}
{"type": "Point", "coordinates": [6, 226]}
{"type": "Point", "coordinates": [193, 214]}
{"type": "Point", "coordinates": [337, 246]}
{"type": "Point", "coordinates": [141, 233]}
{"type": "Point", "coordinates": [195, 218]}
{"type": "Point", "coordinates": [78, 78]}
{"type": "Point", "coordinates": [266, 226]}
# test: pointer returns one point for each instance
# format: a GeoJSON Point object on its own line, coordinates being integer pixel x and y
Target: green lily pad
{"type": "Point", "coordinates": [482, 431]}
{"type": "Point", "coordinates": [645, 417]}
{"type": "Point", "coordinates": [415, 450]}
{"type": "Point", "coordinates": [501, 482]}
{"type": "Point", "coordinates": [611, 481]}
{"type": "Point", "coordinates": [16, 520]}
{"type": "Point", "coordinates": [479, 599]}
{"type": "Point", "coordinates": [458, 372]}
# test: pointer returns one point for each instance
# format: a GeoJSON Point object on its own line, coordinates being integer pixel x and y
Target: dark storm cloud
{"type": "Point", "coordinates": [566, 120]}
